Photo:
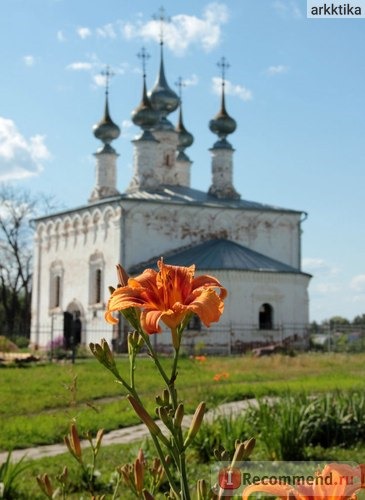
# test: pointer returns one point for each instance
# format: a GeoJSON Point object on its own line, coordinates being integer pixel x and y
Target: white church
{"type": "Point", "coordinates": [254, 249]}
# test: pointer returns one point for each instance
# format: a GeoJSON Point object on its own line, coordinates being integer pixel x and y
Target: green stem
{"type": "Point", "coordinates": [154, 356]}
{"type": "Point", "coordinates": [165, 466]}
{"type": "Point", "coordinates": [132, 368]}
{"type": "Point", "coordinates": [185, 493]}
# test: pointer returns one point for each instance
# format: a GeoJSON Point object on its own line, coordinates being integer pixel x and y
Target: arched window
{"type": "Point", "coordinates": [98, 286]}
{"type": "Point", "coordinates": [194, 323]}
{"type": "Point", "coordinates": [266, 317]}
{"type": "Point", "coordinates": [56, 285]}
{"type": "Point", "coordinates": [57, 291]}
{"type": "Point", "coordinates": [167, 160]}
{"type": "Point", "coordinates": [96, 279]}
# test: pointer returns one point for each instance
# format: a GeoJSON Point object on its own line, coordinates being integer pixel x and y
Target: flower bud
{"type": "Point", "coordinates": [249, 446]}
{"type": "Point", "coordinates": [163, 414]}
{"type": "Point", "coordinates": [144, 416]}
{"type": "Point", "coordinates": [202, 489]}
{"type": "Point", "coordinates": [45, 485]}
{"type": "Point", "coordinates": [62, 478]}
{"type": "Point", "coordinates": [73, 444]}
{"type": "Point", "coordinates": [138, 475]}
{"type": "Point", "coordinates": [195, 423]}
{"type": "Point", "coordinates": [104, 355]}
{"type": "Point", "coordinates": [179, 414]}
{"type": "Point", "coordinates": [125, 472]}
{"type": "Point", "coordinates": [122, 275]}
{"type": "Point", "coordinates": [147, 495]}
{"type": "Point", "coordinates": [99, 437]}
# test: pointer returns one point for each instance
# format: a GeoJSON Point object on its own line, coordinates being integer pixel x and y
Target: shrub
{"type": "Point", "coordinates": [219, 434]}
{"type": "Point", "coordinates": [6, 345]}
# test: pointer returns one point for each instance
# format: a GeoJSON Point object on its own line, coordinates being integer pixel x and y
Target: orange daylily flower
{"type": "Point", "coordinates": [335, 482]}
{"type": "Point", "coordinates": [169, 295]}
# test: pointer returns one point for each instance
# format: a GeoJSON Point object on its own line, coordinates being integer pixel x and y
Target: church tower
{"type": "Point", "coordinates": [145, 146]}
{"type": "Point", "coordinates": [164, 101]}
{"type": "Point", "coordinates": [106, 156]}
{"type": "Point", "coordinates": [185, 140]}
{"type": "Point", "coordinates": [222, 152]}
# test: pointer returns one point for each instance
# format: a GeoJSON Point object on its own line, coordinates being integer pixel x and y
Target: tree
{"type": "Point", "coordinates": [17, 209]}
{"type": "Point", "coordinates": [338, 322]}
{"type": "Point", "coordinates": [359, 320]}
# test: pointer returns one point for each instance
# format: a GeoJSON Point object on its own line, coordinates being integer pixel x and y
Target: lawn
{"type": "Point", "coordinates": [37, 403]}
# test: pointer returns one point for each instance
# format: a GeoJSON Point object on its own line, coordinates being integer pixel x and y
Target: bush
{"type": "Point", "coordinates": [21, 341]}
{"type": "Point", "coordinates": [6, 345]}
{"type": "Point", "coordinates": [220, 433]}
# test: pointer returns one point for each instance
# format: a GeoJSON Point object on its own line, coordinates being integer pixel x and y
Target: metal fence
{"type": "Point", "coordinates": [338, 338]}
{"type": "Point", "coordinates": [234, 339]}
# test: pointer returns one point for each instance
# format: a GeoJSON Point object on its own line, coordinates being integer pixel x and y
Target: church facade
{"type": "Point", "coordinates": [252, 248]}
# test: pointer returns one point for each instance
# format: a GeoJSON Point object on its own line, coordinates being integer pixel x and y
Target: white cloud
{"type": "Point", "coordinates": [184, 30]}
{"type": "Point", "coordinates": [358, 283]}
{"type": "Point", "coordinates": [29, 60]}
{"type": "Point", "coordinates": [60, 36]}
{"type": "Point", "coordinates": [231, 89]}
{"type": "Point", "coordinates": [287, 8]}
{"type": "Point", "coordinates": [99, 80]}
{"type": "Point", "coordinates": [191, 81]}
{"type": "Point", "coordinates": [106, 31]}
{"type": "Point", "coordinates": [127, 124]}
{"type": "Point", "coordinates": [319, 266]}
{"type": "Point", "coordinates": [314, 263]}
{"type": "Point", "coordinates": [20, 157]}
{"type": "Point", "coordinates": [276, 70]}
{"type": "Point", "coordinates": [325, 288]}
{"type": "Point", "coordinates": [83, 32]}
{"type": "Point", "coordinates": [80, 66]}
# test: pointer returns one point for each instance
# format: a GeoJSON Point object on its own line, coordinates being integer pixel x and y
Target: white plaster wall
{"type": "Point", "coordinates": [131, 232]}
{"type": "Point", "coordinates": [247, 291]}
{"type": "Point", "coordinates": [153, 228]}
{"type": "Point", "coordinates": [72, 240]}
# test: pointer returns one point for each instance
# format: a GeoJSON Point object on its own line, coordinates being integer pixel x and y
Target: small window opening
{"type": "Point", "coordinates": [266, 317]}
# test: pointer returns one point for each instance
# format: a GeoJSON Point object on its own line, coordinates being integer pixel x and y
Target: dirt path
{"type": "Point", "coordinates": [122, 436]}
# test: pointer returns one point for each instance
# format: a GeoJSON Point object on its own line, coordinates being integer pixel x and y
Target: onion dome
{"type": "Point", "coordinates": [106, 130]}
{"type": "Point", "coordinates": [222, 124]}
{"type": "Point", "coordinates": [144, 115]}
{"type": "Point", "coordinates": [185, 138]}
{"type": "Point", "coordinates": [162, 97]}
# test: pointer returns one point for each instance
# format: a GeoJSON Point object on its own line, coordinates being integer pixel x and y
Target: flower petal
{"type": "Point", "coordinates": [122, 298]}
{"type": "Point", "coordinates": [278, 490]}
{"type": "Point", "coordinates": [209, 281]}
{"type": "Point", "coordinates": [150, 321]}
{"type": "Point", "coordinates": [207, 305]}
{"type": "Point", "coordinates": [175, 282]}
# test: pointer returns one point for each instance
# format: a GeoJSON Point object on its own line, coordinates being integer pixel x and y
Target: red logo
{"type": "Point", "coordinates": [229, 479]}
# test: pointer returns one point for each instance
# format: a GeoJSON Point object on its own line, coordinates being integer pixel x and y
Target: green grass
{"type": "Point", "coordinates": [115, 455]}
{"type": "Point", "coordinates": [37, 403]}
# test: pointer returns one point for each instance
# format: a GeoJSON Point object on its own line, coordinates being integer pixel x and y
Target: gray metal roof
{"type": "Point", "coordinates": [219, 254]}
{"type": "Point", "coordinates": [183, 194]}
{"type": "Point", "coordinates": [175, 195]}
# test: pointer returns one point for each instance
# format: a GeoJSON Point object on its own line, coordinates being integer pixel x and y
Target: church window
{"type": "Point", "coordinates": [167, 160]}
{"type": "Point", "coordinates": [57, 292]}
{"type": "Point", "coordinates": [98, 286]}
{"type": "Point", "coordinates": [266, 317]}
{"type": "Point", "coordinates": [194, 323]}
{"type": "Point", "coordinates": [56, 278]}
{"type": "Point", "coordinates": [96, 277]}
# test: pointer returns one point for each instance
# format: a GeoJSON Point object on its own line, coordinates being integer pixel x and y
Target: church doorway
{"type": "Point", "coordinates": [72, 326]}
{"type": "Point", "coordinates": [266, 317]}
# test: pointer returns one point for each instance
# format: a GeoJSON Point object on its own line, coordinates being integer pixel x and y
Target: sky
{"type": "Point", "coordinates": [295, 87]}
